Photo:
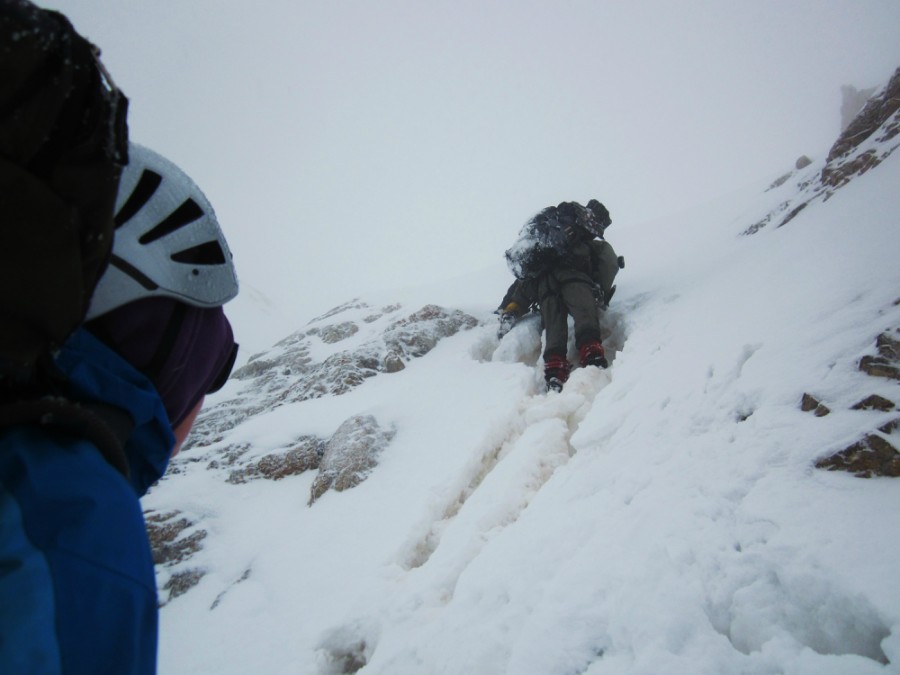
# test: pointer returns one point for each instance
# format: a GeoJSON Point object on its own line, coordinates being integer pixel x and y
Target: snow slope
{"type": "Point", "coordinates": [663, 516]}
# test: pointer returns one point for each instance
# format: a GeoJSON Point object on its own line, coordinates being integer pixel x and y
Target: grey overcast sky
{"type": "Point", "coordinates": [351, 145]}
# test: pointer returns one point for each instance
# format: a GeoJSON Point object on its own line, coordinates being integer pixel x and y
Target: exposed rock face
{"type": "Point", "coordinates": [305, 455]}
{"type": "Point", "coordinates": [335, 332]}
{"type": "Point", "coordinates": [166, 540]}
{"type": "Point", "coordinates": [875, 402]}
{"type": "Point", "coordinates": [852, 102]}
{"type": "Point", "coordinates": [857, 149]}
{"type": "Point", "coordinates": [350, 455]}
{"type": "Point", "coordinates": [330, 358]}
{"type": "Point", "coordinates": [886, 363]}
{"type": "Point", "coordinates": [811, 404]}
{"type": "Point", "coordinates": [866, 142]}
{"type": "Point", "coordinates": [335, 353]}
{"type": "Point", "coordinates": [419, 333]}
{"type": "Point", "coordinates": [174, 539]}
{"type": "Point", "coordinates": [801, 163]}
{"type": "Point", "coordinates": [873, 454]}
{"type": "Point", "coordinates": [343, 461]}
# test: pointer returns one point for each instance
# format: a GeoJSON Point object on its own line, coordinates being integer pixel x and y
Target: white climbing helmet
{"type": "Point", "coordinates": [167, 240]}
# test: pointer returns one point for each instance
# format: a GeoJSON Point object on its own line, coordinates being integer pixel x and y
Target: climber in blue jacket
{"type": "Point", "coordinates": [77, 585]}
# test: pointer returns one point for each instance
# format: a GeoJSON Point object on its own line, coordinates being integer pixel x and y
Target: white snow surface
{"type": "Point", "coordinates": [662, 516]}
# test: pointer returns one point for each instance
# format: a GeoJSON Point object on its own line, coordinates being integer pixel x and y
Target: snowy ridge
{"type": "Point", "coordinates": [866, 142]}
{"type": "Point", "coordinates": [663, 516]}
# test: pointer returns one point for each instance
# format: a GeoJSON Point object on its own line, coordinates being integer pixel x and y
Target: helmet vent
{"type": "Point", "coordinates": [141, 194]}
{"type": "Point", "coordinates": [210, 253]}
{"type": "Point", "coordinates": [187, 213]}
{"type": "Point", "coordinates": [133, 272]}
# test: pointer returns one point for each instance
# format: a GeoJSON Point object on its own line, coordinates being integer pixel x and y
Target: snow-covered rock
{"type": "Point", "coordinates": [350, 455]}
{"type": "Point", "coordinates": [329, 359]}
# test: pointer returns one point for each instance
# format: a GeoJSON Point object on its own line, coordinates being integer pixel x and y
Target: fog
{"type": "Point", "coordinates": [350, 146]}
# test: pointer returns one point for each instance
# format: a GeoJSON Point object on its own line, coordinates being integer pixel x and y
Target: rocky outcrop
{"type": "Point", "coordinates": [873, 454]}
{"type": "Point", "coordinates": [343, 461]}
{"type": "Point", "coordinates": [419, 333]}
{"type": "Point", "coordinates": [330, 358]}
{"type": "Point", "coordinates": [811, 404]}
{"type": "Point", "coordinates": [802, 162]}
{"type": "Point", "coordinates": [304, 455]}
{"type": "Point", "coordinates": [350, 455]}
{"type": "Point", "coordinates": [853, 100]}
{"type": "Point", "coordinates": [335, 332]}
{"type": "Point", "coordinates": [167, 542]}
{"type": "Point", "coordinates": [864, 144]}
{"type": "Point", "coordinates": [886, 362]}
{"type": "Point", "coordinates": [866, 141]}
{"type": "Point", "coordinates": [332, 355]}
{"type": "Point", "coordinates": [173, 540]}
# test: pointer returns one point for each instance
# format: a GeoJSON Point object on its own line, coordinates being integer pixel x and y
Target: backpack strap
{"type": "Point", "coordinates": [107, 427]}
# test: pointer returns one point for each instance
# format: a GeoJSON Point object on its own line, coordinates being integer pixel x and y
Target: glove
{"type": "Point", "coordinates": [507, 321]}
{"type": "Point", "coordinates": [508, 317]}
{"type": "Point", "coordinates": [600, 297]}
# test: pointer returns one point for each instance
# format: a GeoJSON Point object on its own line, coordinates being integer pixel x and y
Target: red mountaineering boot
{"type": "Point", "coordinates": [556, 371]}
{"type": "Point", "coordinates": [592, 354]}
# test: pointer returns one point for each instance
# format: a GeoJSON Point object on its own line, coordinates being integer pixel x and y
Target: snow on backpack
{"type": "Point", "coordinates": [545, 241]}
{"type": "Point", "coordinates": [63, 142]}
{"type": "Point", "coordinates": [542, 244]}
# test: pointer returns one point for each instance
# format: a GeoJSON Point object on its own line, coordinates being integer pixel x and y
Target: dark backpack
{"type": "Point", "coordinates": [543, 243]}
{"type": "Point", "coordinates": [63, 142]}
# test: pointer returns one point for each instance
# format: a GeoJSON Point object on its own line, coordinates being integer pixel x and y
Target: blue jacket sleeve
{"type": "Point", "coordinates": [77, 588]}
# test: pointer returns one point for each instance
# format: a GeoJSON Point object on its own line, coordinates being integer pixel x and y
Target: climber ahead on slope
{"type": "Point", "coordinates": [564, 266]}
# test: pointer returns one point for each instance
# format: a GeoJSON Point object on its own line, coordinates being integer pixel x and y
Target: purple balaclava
{"type": "Point", "coordinates": [187, 352]}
